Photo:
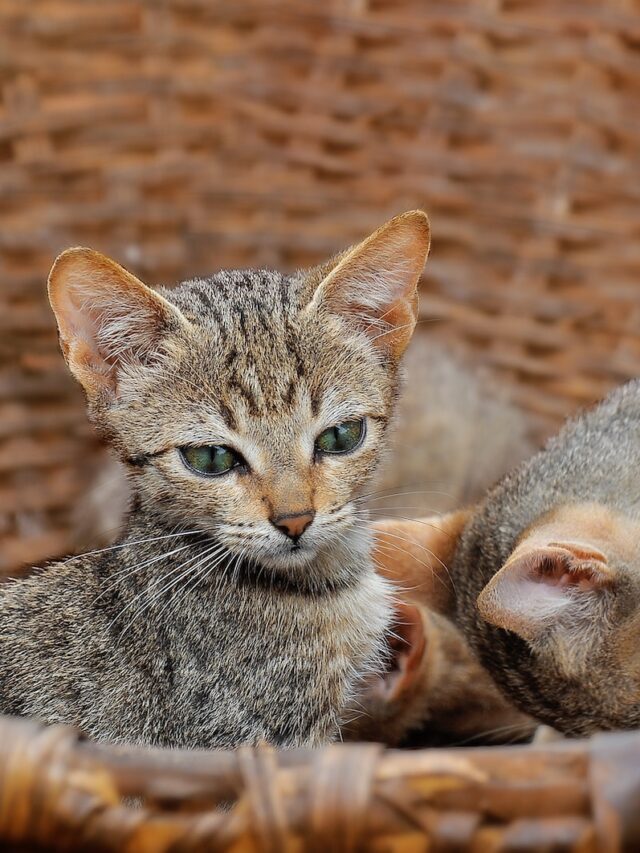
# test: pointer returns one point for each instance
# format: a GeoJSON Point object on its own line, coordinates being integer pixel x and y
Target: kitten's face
{"type": "Point", "coordinates": [251, 406]}
{"type": "Point", "coordinates": [259, 376]}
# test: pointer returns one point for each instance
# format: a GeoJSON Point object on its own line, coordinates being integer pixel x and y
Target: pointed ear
{"type": "Point", "coordinates": [541, 587]}
{"type": "Point", "coordinates": [106, 317]}
{"type": "Point", "coordinates": [416, 555]}
{"type": "Point", "coordinates": [374, 285]}
{"type": "Point", "coordinates": [407, 647]}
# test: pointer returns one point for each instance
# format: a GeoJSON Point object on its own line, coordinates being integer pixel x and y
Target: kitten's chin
{"type": "Point", "coordinates": [332, 564]}
{"type": "Point", "coordinates": [291, 560]}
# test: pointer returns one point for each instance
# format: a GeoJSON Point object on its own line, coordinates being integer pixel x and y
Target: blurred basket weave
{"type": "Point", "coordinates": [58, 793]}
{"type": "Point", "coordinates": [186, 135]}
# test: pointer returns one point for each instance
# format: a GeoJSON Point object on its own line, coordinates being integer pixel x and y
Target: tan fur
{"type": "Point", "coordinates": [591, 534]}
{"type": "Point", "coordinates": [467, 699]}
{"type": "Point", "coordinates": [450, 698]}
{"type": "Point", "coordinates": [415, 555]}
{"type": "Point", "coordinates": [439, 692]}
{"type": "Point", "coordinates": [550, 558]}
{"type": "Point", "coordinates": [578, 535]}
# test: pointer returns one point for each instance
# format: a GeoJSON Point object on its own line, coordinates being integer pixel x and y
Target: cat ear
{"type": "Point", "coordinates": [416, 555]}
{"type": "Point", "coordinates": [106, 318]}
{"type": "Point", "coordinates": [407, 648]}
{"type": "Point", "coordinates": [541, 587]}
{"type": "Point", "coordinates": [374, 284]}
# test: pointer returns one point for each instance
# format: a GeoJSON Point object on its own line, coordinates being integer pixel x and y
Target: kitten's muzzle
{"type": "Point", "coordinates": [293, 525]}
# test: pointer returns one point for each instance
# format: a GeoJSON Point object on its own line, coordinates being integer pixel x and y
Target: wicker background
{"type": "Point", "coordinates": [181, 136]}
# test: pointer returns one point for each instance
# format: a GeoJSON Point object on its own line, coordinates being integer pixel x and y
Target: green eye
{"type": "Point", "coordinates": [341, 438]}
{"type": "Point", "coordinates": [211, 459]}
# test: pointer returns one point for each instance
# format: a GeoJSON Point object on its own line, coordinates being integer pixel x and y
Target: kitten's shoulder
{"type": "Point", "coordinates": [49, 589]}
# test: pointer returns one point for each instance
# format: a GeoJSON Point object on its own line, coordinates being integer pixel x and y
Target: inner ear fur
{"type": "Point", "coordinates": [542, 584]}
{"type": "Point", "coordinates": [106, 317]}
{"type": "Point", "coordinates": [407, 646]}
{"type": "Point", "coordinates": [374, 285]}
{"type": "Point", "coordinates": [416, 555]}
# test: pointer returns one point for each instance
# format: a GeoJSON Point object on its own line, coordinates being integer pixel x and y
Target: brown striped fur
{"type": "Point", "coordinates": [206, 625]}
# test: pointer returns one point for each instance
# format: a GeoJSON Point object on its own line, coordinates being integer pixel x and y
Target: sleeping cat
{"type": "Point", "coordinates": [250, 409]}
{"type": "Point", "coordinates": [543, 576]}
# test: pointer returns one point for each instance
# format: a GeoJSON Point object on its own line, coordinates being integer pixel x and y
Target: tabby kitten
{"type": "Point", "coordinates": [545, 573]}
{"type": "Point", "coordinates": [250, 409]}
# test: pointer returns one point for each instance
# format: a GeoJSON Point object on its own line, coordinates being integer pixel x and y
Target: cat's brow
{"type": "Point", "coordinates": [139, 460]}
{"type": "Point", "coordinates": [227, 416]}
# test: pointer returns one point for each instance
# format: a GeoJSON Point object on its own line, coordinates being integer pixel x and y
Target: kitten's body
{"type": "Point", "coordinates": [433, 690]}
{"type": "Point", "coordinates": [241, 604]}
{"type": "Point", "coordinates": [223, 662]}
{"type": "Point", "coordinates": [572, 674]}
{"type": "Point", "coordinates": [543, 576]}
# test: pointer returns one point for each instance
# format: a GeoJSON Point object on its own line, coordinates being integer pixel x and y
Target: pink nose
{"type": "Point", "coordinates": [294, 525]}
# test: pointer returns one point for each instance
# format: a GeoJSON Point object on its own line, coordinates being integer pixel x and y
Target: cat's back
{"type": "Point", "coordinates": [56, 594]}
{"type": "Point", "coordinates": [596, 455]}
{"type": "Point", "coordinates": [595, 460]}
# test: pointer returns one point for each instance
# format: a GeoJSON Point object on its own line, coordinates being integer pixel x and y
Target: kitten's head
{"type": "Point", "coordinates": [250, 405]}
{"type": "Point", "coordinates": [570, 590]}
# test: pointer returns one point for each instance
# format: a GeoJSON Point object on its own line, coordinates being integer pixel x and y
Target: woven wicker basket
{"type": "Point", "coordinates": [187, 135]}
{"type": "Point", "coordinates": [59, 793]}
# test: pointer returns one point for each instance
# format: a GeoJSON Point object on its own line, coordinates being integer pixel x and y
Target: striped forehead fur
{"type": "Point", "coordinates": [271, 350]}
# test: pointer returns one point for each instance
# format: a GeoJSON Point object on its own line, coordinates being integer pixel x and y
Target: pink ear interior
{"type": "Point", "coordinates": [105, 315]}
{"type": "Point", "coordinates": [535, 588]}
{"type": "Point", "coordinates": [407, 646]}
{"type": "Point", "coordinates": [560, 565]}
{"type": "Point", "coordinates": [374, 285]}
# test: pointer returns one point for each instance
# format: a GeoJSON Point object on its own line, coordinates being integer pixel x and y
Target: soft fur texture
{"type": "Point", "coordinates": [434, 691]}
{"type": "Point", "coordinates": [206, 625]}
{"type": "Point", "coordinates": [543, 576]}
{"type": "Point", "coordinates": [550, 557]}
{"type": "Point", "coordinates": [456, 434]}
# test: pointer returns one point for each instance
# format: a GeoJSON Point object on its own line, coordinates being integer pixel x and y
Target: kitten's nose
{"type": "Point", "coordinates": [295, 524]}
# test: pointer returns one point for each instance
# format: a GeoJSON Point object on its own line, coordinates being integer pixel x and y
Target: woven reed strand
{"type": "Point", "coordinates": [61, 793]}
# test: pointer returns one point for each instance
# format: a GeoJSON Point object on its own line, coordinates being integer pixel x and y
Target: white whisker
{"type": "Point", "coordinates": [129, 543]}
{"type": "Point", "coordinates": [154, 584]}
{"type": "Point", "coordinates": [120, 575]}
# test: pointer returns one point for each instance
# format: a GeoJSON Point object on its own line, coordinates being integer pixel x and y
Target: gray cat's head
{"type": "Point", "coordinates": [249, 405]}
{"type": "Point", "coordinates": [556, 545]}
